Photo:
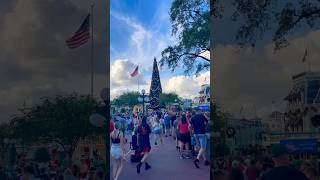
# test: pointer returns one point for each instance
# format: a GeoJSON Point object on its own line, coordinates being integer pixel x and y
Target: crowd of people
{"type": "Point", "coordinates": [189, 130]}
{"type": "Point", "coordinates": [279, 166]}
{"type": "Point", "coordinates": [58, 168]}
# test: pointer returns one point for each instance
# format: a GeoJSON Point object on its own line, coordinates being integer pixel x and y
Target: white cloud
{"type": "Point", "coordinates": [184, 86]}
{"type": "Point", "coordinates": [120, 73]}
{"type": "Point", "coordinates": [145, 42]}
{"type": "Point", "coordinates": [120, 78]}
{"type": "Point", "coordinates": [187, 86]}
{"type": "Point", "coordinates": [205, 54]}
{"type": "Point", "coordinates": [257, 78]}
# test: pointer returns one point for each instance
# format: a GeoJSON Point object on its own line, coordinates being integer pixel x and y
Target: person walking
{"type": "Point", "coordinates": [198, 126]}
{"type": "Point", "coordinates": [311, 173]}
{"type": "Point", "coordinates": [176, 134]}
{"type": "Point", "coordinates": [251, 173]}
{"type": "Point", "coordinates": [167, 125]}
{"type": "Point", "coordinates": [219, 175]}
{"type": "Point", "coordinates": [162, 124]}
{"type": "Point", "coordinates": [183, 127]}
{"type": "Point", "coordinates": [309, 169]}
{"type": "Point", "coordinates": [68, 175]}
{"type": "Point", "coordinates": [28, 173]}
{"type": "Point", "coordinates": [192, 141]}
{"type": "Point", "coordinates": [117, 150]}
{"type": "Point", "coordinates": [143, 132]}
{"type": "Point", "coordinates": [282, 169]}
{"type": "Point", "coordinates": [236, 172]}
{"type": "Point", "coordinates": [157, 131]}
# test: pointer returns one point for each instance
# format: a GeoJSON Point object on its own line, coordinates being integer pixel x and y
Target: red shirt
{"type": "Point", "coordinates": [111, 126]}
{"type": "Point", "coordinates": [183, 128]}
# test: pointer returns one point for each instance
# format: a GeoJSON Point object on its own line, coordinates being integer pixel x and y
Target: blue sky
{"type": "Point", "coordinates": [139, 31]}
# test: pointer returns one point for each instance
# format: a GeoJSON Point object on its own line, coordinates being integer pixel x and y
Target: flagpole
{"type": "Point", "coordinates": [306, 57]}
{"type": "Point", "coordinates": [138, 79]}
{"type": "Point", "coordinates": [92, 55]}
{"type": "Point", "coordinates": [309, 63]}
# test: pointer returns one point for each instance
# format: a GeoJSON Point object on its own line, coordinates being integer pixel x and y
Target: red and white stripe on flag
{"type": "Point", "coordinates": [81, 36]}
{"type": "Point", "coordinates": [135, 72]}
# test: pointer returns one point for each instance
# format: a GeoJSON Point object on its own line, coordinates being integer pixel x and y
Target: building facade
{"type": "Point", "coordinates": [202, 101]}
{"type": "Point", "coordinates": [303, 104]}
{"type": "Point", "coordinates": [247, 132]}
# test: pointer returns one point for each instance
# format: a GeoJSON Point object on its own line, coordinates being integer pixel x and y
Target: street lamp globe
{"type": "Point", "coordinates": [146, 99]}
{"type": "Point", "coordinates": [140, 99]}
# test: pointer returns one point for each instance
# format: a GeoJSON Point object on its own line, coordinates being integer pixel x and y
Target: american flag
{"type": "Point", "coordinates": [135, 72]}
{"type": "Point", "coordinates": [81, 36]}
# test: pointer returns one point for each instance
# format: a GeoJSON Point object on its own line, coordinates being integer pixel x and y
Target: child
{"type": "Point", "coordinates": [156, 130]}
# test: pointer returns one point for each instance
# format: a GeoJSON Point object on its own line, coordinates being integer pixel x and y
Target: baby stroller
{"type": "Point", "coordinates": [137, 155]}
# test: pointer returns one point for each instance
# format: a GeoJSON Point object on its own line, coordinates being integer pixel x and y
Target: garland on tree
{"type": "Point", "coordinates": [155, 89]}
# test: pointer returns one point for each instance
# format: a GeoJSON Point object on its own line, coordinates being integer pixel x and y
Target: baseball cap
{"type": "Point", "coordinates": [279, 150]}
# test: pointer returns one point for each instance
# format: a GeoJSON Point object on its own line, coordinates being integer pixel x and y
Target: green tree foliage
{"type": "Point", "coordinates": [168, 98]}
{"type": "Point", "coordinates": [219, 126]}
{"type": "Point", "coordinates": [126, 99]}
{"type": "Point", "coordinates": [61, 119]}
{"type": "Point", "coordinates": [131, 98]}
{"type": "Point", "coordinates": [5, 131]}
{"type": "Point", "coordinates": [281, 18]}
{"type": "Point", "coordinates": [191, 25]}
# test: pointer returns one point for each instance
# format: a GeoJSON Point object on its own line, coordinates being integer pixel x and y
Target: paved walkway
{"type": "Point", "coordinates": [166, 165]}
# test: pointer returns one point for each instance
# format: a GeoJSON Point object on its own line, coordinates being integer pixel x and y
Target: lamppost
{"type": "Point", "coordinates": [143, 98]}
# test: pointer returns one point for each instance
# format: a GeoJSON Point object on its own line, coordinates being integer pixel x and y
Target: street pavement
{"type": "Point", "coordinates": [166, 165]}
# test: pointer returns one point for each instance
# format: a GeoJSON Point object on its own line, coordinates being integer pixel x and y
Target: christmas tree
{"type": "Point", "coordinates": [155, 89]}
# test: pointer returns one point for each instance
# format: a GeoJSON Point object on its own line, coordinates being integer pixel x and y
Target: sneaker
{"type": "Point", "coordinates": [196, 163]}
{"type": "Point", "coordinates": [147, 166]}
{"type": "Point", "coordinates": [188, 157]}
{"type": "Point", "coordinates": [139, 167]}
{"type": "Point", "coordinates": [181, 157]}
{"type": "Point", "coordinates": [206, 163]}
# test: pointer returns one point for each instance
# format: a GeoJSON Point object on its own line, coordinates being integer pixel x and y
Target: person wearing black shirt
{"type": "Point", "coordinates": [282, 169]}
{"type": "Point", "coordinates": [144, 131]}
{"type": "Point", "coordinates": [198, 125]}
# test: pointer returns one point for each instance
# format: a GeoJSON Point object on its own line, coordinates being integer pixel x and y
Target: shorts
{"type": "Point", "coordinates": [146, 149]}
{"type": "Point", "coordinates": [116, 151]}
{"type": "Point", "coordinates": [201, 140]}
{"type": "Point", "coordinates": [185, 138]}
{"type": "Point", "coordinates": [157, 131]}
{"type": "Point", "coordinates": [178, 135]}
{"type": "Point", "coordinates": [167, 125]}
